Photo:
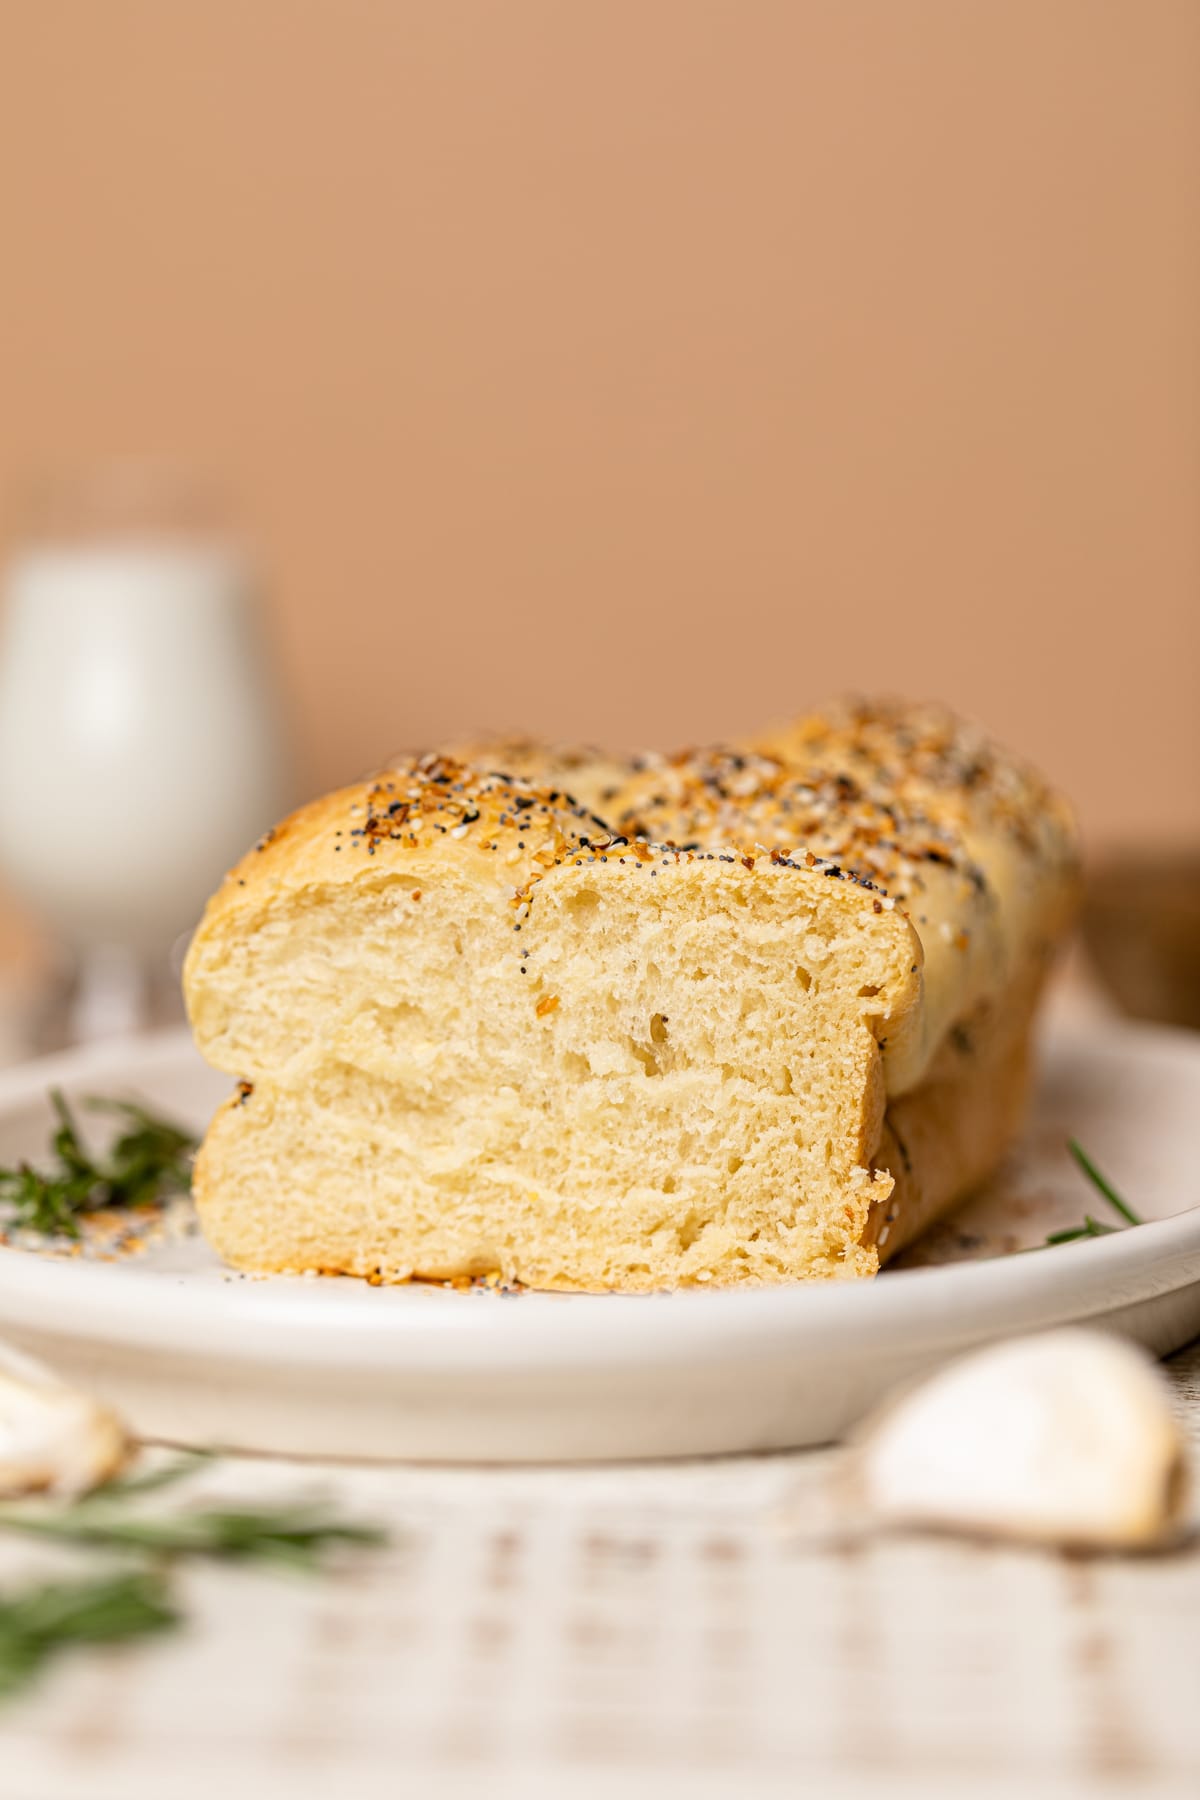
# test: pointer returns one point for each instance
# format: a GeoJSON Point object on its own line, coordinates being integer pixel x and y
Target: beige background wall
{"type": "Point", "coordinates": [641, 370]}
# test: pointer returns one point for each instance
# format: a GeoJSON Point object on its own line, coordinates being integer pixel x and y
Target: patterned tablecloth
{"type": "Point", "coordinates": [632, 1630]}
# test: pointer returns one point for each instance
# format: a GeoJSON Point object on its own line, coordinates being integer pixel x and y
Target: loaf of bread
{"type": "Point", "coordinates": [760, 1021]}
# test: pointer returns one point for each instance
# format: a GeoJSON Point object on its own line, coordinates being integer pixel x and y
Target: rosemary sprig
{"type": "Point", "coordinates": [1094, 1227]}
{"type": "Point", "coordinates": [40, 1621]}
{"type": "Point", "coordinates": [1102, 1184]}
{"type": "Point", "coordinates": [148, 1481]}
{"type": "Point", "coordinates": [295, 1535]}
{"type": "Point", "coordinates": [1090, 1228]}
{"type": "Point", "coordinates": [37, 1622]}
{"type": "Point", "coordinates": [149, 1160]}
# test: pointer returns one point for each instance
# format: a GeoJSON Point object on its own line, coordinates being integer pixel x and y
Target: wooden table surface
{"type": "Point", "coordinates": [645, 1629]}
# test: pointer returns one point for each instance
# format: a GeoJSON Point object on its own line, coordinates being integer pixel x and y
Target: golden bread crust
{"type": "Point", "coordinates": [451, 983]}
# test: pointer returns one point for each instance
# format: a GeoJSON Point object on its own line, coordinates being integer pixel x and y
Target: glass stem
{"type": "Point", "coordinates": [111, 996]}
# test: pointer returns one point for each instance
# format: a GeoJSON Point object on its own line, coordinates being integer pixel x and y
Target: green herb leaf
{"type": "Point", "coordinates": [149, 1160]}
{"type": "Point", "coordinates": [38, 1622]}
{"type": "Point", "coordinates": [1102, 1184]}
{"type": "Point", "coordinates": [298, 1535]}
{"type": "Point", "coordinates": [127, 1487]}
{"type": "Point", "coordinates": [1093, 1227]}
{"type": "Point", "coordinates": [106, 1519]}
{"type": "Point", "coordinates": [1090, 1228]}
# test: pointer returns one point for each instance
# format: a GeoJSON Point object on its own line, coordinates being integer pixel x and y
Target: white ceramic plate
{"type": "Point", "coordinates": [195, 1354]}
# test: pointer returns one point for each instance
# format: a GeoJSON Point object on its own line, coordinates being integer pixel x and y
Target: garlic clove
{"type": "Point", "coordinates": [52, 1438]}
{"type": "Point", "coordinates": [1067, 1437]}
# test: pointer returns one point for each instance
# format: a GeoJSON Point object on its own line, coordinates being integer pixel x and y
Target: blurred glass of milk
{"type": "Point", "coordinates": [140, 748]}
